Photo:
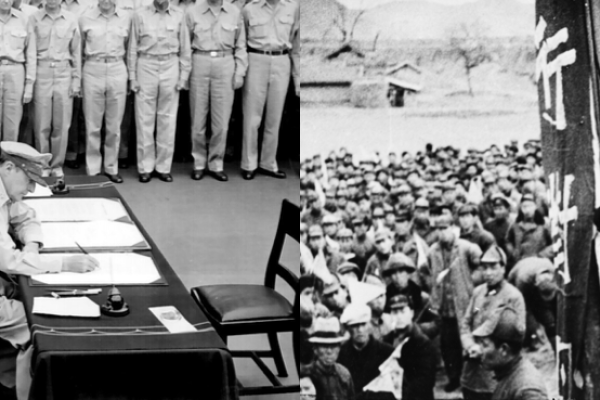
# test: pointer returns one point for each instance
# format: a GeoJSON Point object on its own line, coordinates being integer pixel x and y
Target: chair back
{"type": "Point", "coordinates": [288, 225]}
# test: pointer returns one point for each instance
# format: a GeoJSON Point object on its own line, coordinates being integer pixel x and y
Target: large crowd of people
{"type": "Point", "coordinates": [414, 263]}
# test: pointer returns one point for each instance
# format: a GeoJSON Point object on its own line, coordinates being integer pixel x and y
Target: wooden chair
{"type": "Point", "coordinates": [250, 309]}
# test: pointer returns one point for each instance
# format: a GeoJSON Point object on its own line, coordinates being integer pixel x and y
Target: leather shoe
{"type": "Point", "coordinates": [145, 178]}
{"type": "Point", "coordinates": [274, 174]}
{"type": "Point", "coordinates": [248, 175]}
{"type": "Point", "coordinates": [73, 164]}
{"type": "Point", "coordinates": [164, 177]}
{"type": "Point", "coordinates": [197, 174]}
{"type": "Point", "coordinates": [116, 178]}
{"type": "Point", "coordinates": [123, 164]}
{"type": "Point", "coordinates": [219, 175]}
{"type": "Point", "coordinates": [452, 386]}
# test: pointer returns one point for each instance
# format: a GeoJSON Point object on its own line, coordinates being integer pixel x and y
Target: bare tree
{"type": "Point", "coordinates": [345, 20]}
{"type": "Point", "coordinates": [469, 43]}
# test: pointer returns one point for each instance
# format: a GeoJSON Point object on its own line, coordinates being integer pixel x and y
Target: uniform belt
{"type": "Point", "coordinates": [159, 57]}
{"type": "Point", "coordinates": [214, 53]}
{"type": "Point", "coordinates": [104, 59]}
{"type": "Point", "coordinates": [268, 53]}
{"type": "Point", "coordinates": [52, 64]}
{"type": "Point", "coordinates": [4, 61]}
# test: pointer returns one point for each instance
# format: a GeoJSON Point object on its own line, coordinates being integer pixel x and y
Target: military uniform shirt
{"type": "Point", "coordinates": [27, 228]}
{"type": "Point", "coordinates": [105, 36]}
{"type": "Point", "coordinates": [18, 43]}
{"type": "Point", "coordinates": [58, 39]}
{"type": "Point", "coordinates": [159, 34]}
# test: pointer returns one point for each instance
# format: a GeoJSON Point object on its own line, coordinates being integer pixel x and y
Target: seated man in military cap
{"type": "Point", "coordinates": [331, 379]}
{"type": "Point", "coordinates": [501, 339]}
{"type": "Point", "coordinates": [476, 380]}
{"type": "Point", "coordinates": [417, 357]}
{"type": "Point", "coordinates": [363, 354]}
{"type": "Point", "coordinates": [21, 168]}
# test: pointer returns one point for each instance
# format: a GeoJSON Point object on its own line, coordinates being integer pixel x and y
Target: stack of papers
{"type": "Point", "coordinates": [66, 307]}
{"type": "Point", "coordinates": [115, 269]}
{"type": "Point", "coordinates": [77, 209]}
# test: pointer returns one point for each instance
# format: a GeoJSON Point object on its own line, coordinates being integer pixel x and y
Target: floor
{"type": "Point", "coordinates": [213, 232]}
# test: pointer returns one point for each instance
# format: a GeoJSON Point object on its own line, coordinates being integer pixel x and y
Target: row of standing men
{"type": "Point", "coordinates": [112, 59]}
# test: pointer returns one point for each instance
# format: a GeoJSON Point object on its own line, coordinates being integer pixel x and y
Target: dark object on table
{"type": "Point", "coordinates": [59, 187]}
{"type": "Point", "coordinates": [250, 309]}
{"type": "Point", "coordinates": [115, 306]}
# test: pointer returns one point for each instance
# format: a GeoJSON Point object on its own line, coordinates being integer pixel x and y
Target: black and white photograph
{"type": "Point", "coordinates": [149, 174]}
{"type": "Point", "coordinates": [449, 195]}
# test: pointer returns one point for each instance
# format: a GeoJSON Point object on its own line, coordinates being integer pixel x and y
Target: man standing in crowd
{"type": "Point", "coordinates": [501, 341]}
{"type": "Point", "coordinates": [159, 62]}
{"type": "Point", "coordinates": [362, 355]}
{"type": "Point", "coordinates": [383, 247]}
{"type": "Point", "coordinates": [58, 80]}
{"type": "Point", "coordinates": [272, 28]}
{"type": "Point", "coordinates": [470, 231]}
{"type": "Point", "coordinates": [498, 226]}
{"type": "Point", "coordinates": [329, 377]}
{"type": "Point", "coordinates": [452, 262]}
{"type": "Point", "coordinates": [219, 64]}
{"type": "Point", "coordinates": [105, 32]}
{"type": "Point", "coordinates": [17, 69]}
{"type": "Point", "coordinates": [477, 381]}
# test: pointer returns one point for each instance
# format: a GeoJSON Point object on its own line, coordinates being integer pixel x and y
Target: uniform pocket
{"type": "Point", "coordinates": [258, 28]}
{"type": "Point", "coordinates": [228, 34]}
{"type": "Point", "coordinates": [18, 39]}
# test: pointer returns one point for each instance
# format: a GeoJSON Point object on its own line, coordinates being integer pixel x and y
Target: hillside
{"type": "Point", "coordinates": [411, 20]}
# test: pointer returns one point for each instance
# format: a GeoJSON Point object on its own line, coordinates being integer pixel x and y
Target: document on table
{"type": "Point", "coordinates": [66, 307]}
{"type": "Point", "coordinates": [172, 319]}
{"type": "Point", "coordinates": [115, 269]}
{"type": "Point", "coordinates": [78, 209]}
{"type": "Point", "coordinates": [92, 234]}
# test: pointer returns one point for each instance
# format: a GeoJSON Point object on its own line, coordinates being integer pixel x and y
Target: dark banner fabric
{"type": "Point", "coordinates": [570, 157]}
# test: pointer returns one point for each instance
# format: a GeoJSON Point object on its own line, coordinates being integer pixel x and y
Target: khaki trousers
{"type": "Point", "coordinates": [211, 88]}
{"type": "Point", "coordinates": [13, 329]}
{"type": "Point", "coordinates": [12, 86]}
{"type": "Point", "coordinates": [266, 86]}
{"type": "Point", "coordinates": [52, 110]}
{"type": "Point", "coordinates": [104, 96]}
{"type": "Point", "coordinates": [156, 105]}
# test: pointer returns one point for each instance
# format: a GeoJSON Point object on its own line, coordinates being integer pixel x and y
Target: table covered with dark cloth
{"type": "Point", "coordinates": [130, 357]}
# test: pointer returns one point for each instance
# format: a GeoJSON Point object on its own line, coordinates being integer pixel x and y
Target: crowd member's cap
{"type": "Point", "coordinates": [315, 231]}
{"type": "Point", "coordinates": [447, 186]}
{"type": "Point", "coordinates": [355, 314]}
{"type": "Point", "coordinates": [546, 285]}
{"type": "Point", "coordinates": [363, 293]}
{"type": "Point", "coordinates": [467, 209]}
{"type": "Point", "coordinates": [527, 197]}
{"type": "Point", "coordinates": [488, 177]}
{"type": "Point", "coordinates": [498, 199]}
{"type": "Point", "coordinates": [422, 203]}
{"type": "Point", "coordinates": [332, 286]}
{"type": "Point", "coordinates": [494, 254]}
{"type": "Point", "coordinates": [382, 233]}
{"type": "Point", "coordinates": [327, 331]}
{"type": "Point", "coordinates": [402, 215]}
{"type": "Point", "coordinates": [26, 158]}
{"type": "Point", "coordinates": [400, 301]}
{"type": "Point", "coordinates": [504, 325]}
{"type": "Point", "coordinates": [344, 233]}
{"type": "Point", "coordinates": [347, 266]}
{"type": "Point", "coordinates": [377, 189]}
{"type": "Point", "coordinates": [330, 219]}
{"type": "Point", "coordinates": [442, 222]}
{"type": "Point", "coordinates": [398, 262]}
{"type": "Point", "coordinates": [404, 189]}
{"type": "Point", "coordinates": [359, 219]}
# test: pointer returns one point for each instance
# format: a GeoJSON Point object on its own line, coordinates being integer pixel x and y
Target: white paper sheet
{"type": "Point", "coordinates": [110, 234]}
{"type": "Point", "coordinates": [172, 319]}
{"type": "Point", "coordinates": [66, 307]}
{"type": "Point", "coordinates": [115, 269]}
{"type": "Point", "coordinates": [77, 209]}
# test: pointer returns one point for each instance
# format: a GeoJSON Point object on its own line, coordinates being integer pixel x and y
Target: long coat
{"type": "Point", "coordinates": [463, 274]}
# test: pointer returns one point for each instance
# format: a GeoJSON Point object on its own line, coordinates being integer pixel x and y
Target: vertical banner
{"type": "Point", "coordinates": [564, 81]}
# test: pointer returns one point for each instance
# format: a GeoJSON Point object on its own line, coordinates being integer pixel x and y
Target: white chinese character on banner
{"type": "Point", "coordinates": [544, 69]}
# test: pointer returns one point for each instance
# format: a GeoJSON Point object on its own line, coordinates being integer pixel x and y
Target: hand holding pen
{"type": "Point", "coordinates": [80, 263]}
